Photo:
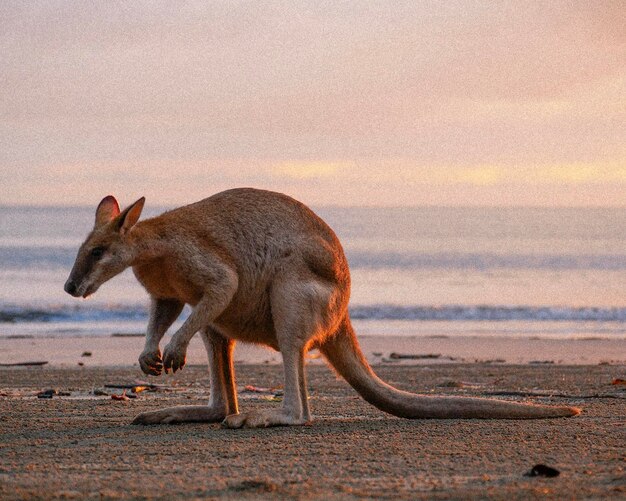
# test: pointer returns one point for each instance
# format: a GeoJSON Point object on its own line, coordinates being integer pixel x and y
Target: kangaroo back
{"type": "Point", "coordinates": [343, 353]}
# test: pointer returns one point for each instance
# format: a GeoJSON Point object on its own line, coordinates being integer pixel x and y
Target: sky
{"type": "Point", "coordinates": [386, 103]}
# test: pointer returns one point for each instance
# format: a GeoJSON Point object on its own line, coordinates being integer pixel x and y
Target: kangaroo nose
{"type": "Point", "coordinates": [70, 287]}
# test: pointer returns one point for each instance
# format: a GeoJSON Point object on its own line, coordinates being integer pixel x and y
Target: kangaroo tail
{"type": "Point", "coordinates": [343, 352]}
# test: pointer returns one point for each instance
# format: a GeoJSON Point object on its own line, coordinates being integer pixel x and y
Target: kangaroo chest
{"type": "Point", "coordinates": [164, 281]}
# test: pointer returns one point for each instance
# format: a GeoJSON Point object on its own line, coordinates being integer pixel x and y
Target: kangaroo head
{"type": "Point", "coordinates": [106, 251]}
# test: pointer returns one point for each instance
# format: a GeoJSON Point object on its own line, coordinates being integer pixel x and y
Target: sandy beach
{"type": "Point", "coordinates": [80, 445]}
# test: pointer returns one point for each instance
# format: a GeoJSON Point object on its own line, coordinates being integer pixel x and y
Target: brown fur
{"type": "Point", "coordinates": [260, 267]}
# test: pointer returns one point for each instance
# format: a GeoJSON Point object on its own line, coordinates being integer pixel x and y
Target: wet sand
{"type": "Point", "coordinates": [123, 351]}
{"type": "Point", "coordinates": [82, 446]}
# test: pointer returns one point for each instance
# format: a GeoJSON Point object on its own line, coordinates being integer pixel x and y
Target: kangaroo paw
{"type": "Point", "coordinates": [261, 419]}
{"type": "Point", "coordinates": [150, 362]}
{"type": "Point", "coordinates": [174, 357]}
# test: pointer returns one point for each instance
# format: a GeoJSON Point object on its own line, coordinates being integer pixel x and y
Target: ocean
{"type": "Point", "coordinates": [541, 273]}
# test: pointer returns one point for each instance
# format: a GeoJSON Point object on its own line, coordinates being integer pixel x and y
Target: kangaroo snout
{"type": "Point", "coordinates": [71, 288]}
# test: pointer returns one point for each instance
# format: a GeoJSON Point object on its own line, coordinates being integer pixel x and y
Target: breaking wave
{"type": "Point", "coordinates": [37, 258]}
{"type": "Point", "coordinates": [488, 313]}
{"type": "Point", "coordinates": [97, 313]}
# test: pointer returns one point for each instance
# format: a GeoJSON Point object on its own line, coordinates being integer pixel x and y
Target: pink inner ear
{"type": "Point", "coordinates": [107, 210]}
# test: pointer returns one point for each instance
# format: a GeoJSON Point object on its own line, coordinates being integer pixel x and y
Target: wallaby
{"type": "Point", "coordinates": [260, 267]}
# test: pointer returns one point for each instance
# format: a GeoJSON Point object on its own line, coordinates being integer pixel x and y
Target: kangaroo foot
{"type": "Point", "coordinates": [261, 419]}
{"type": "Point", "coordinates": [181, 414]}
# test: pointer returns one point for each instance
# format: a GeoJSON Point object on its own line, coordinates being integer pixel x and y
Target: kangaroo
{"type": "Point", "coordinates": [260, 267]}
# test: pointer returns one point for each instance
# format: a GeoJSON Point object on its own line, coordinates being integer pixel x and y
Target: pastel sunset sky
{"type": "Point", "coordinates": [336, 103]}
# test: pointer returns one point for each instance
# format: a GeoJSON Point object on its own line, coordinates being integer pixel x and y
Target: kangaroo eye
{"type": "Point", "coordinates": [98, 252]}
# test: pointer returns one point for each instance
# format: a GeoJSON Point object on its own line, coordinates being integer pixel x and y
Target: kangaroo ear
{"type": "Point", "coordinates": [108, 209]}
{"type": "Point", "coordinates": [130, 216]}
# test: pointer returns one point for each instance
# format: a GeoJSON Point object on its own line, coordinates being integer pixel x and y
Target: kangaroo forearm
{"type": "Point", "coordinates": [202, 314]}
{"type": "Point", "coordinates": [213, 302]}
{"type": "Point", "coordinates": [163, 313]}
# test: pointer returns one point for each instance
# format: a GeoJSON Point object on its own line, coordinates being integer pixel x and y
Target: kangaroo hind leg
{"type": "Point", "coordinates": [299, 311]}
